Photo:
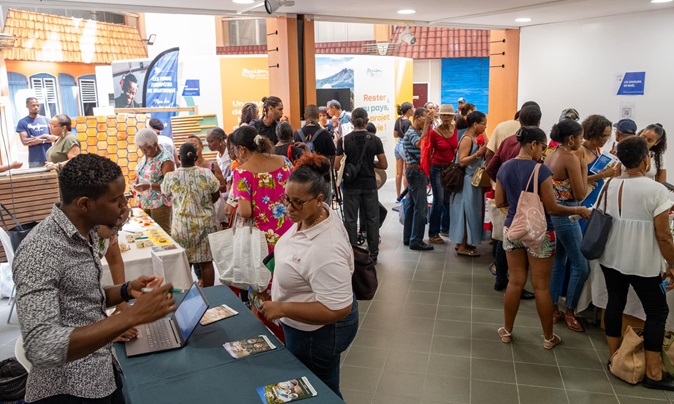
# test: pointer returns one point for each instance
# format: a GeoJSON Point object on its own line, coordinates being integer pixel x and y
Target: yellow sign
{"type": "Point", "coordinates": [244, 79]}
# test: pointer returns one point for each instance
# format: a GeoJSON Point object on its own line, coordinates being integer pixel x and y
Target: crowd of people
{"type": "Point", "coordinates": [286, 183]}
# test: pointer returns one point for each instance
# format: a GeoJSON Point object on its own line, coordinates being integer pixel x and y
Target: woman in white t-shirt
{"type": "Point", "coordinates": [638, 241]}
{"type": "Point", "coordinates": [311, 290]}
{"type": "Point", "coordinates": [656, 139]}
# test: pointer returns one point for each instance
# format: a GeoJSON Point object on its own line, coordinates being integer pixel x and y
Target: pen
{"type": "Point", "coordinates": [148, 290]}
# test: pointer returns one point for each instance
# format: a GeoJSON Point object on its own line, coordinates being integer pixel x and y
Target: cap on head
{"type": "Point", "coordinates": [570, 113]}
{"type": "Point", "coordinates": [626, 126]}
{"type": "Point", "coordinates": [461, 100]}
{"type": "Point", "coordinates": [446, 109]}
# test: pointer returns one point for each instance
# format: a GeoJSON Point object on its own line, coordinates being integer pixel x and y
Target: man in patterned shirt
{"type": "Point", "coordinates": [60, 300]}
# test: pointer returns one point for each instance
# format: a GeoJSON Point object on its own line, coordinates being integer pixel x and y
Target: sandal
{"type": "Point", "coordinates": [470, 253]}
{"type": "Point", "coordinates": [556, 316]}
{"type": "Point", "coordinates": [469, 246]}
{"type": "Point", "coordinates": [506, 337]}
{"type": "Point", "coordinates": [573, 324]}
{"type": "Point", "coordinates": [436, 240]}
{"type": "Point", "coordinates": [552, 342]}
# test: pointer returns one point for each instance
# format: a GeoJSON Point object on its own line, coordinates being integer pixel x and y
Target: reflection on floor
{"type": "Point", "coordinates": [429, 336]}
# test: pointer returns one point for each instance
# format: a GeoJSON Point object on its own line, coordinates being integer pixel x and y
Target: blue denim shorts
{"type": "Point", "coordinates": [399, 151]}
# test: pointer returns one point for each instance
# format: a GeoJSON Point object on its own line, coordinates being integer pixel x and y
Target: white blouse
{"type": "Point", "coordinates": [663, 166]}
{"type": "Point", "coordinates": [632, 247]}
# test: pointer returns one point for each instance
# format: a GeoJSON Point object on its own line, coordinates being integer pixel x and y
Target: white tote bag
{"type": "Point", "coordinates": [238, 253]}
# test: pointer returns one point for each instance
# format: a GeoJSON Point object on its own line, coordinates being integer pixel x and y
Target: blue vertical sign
{"type": "Point", "coordinates": [161, 87]}
{"type": "Point", "coordinates": [632, 83]}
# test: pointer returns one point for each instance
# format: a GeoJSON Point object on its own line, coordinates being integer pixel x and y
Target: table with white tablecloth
{"type": "Point", "coordinates": [172, 264]}
{"type": "Point", "coordinates": [595, 293]}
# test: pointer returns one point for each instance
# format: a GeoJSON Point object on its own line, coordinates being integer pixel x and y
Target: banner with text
{"type": "Point", "coordinates": [161, 86]}
{"type": "Point", "coordinates": [244, 79]}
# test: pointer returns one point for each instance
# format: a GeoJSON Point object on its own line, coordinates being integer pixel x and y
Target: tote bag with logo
{"type": "Point", "coordinates": [529, 224]}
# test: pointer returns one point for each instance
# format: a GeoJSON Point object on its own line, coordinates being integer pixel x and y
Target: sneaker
{"type": "Point", "coordinates": [421, 247]}
{"type": "Point", "coordinates": [552, 342]}
{"type": "Point", "coordinates": [436, 240]}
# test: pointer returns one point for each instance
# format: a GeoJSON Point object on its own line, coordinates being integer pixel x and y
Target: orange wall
{"type": "Point", "coordinates": [503, 81]}
{"type": "Point", "coordinates": [31, 68]}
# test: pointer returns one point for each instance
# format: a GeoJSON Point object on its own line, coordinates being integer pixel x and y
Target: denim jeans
{"type": "Point", "coordinates": [354, 198]}
{"type": "Point", "coordinates": [34, 164]}
{"type": "Point", "coordinates": [320, 350]}
{"type": "Point", "coordinates": [439, 221]}
{"type": "Point", "coordinates": [501, 264]}
{"type": "Point", "coordinates": [569, 237]}
{"type": "Point", "coordinates": [417, 214]}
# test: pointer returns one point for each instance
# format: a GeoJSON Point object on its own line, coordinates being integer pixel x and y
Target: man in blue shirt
{"type": "Point", "coordinates": [339, 117]}
{"type": "Point", "coordinates": [34, 133]}
{"type": "Point", "coordinates": [417, 211]}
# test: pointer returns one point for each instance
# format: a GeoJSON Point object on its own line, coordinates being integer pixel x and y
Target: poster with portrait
{"type": "Point", "coordinates": [128, 77]}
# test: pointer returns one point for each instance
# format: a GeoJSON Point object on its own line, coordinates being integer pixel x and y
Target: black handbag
{"type": "Point", "coordinates": [597, 230]}
{"type": "Point", "coordinates": [364, 280]}
{"type": "Point", "coordinates": [452, 177]}
{"type": "Point", "coordinates": [18, 232]}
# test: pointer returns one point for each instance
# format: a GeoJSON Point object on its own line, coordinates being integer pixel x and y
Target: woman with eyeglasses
{"type": "Point", "coordinates": [311, 291]}
{"type": "Point", "coordinates": [596, 132]}
{"type": "Point", "coordinates": [511, 180]}
{"type": "Point", "coordinates": [258, 190]}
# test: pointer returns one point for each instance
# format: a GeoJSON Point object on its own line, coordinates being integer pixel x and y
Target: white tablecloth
{"type": "Point", "coordinates": [174, 266]}
{"type": "Point", "coordinates": [595, 292]}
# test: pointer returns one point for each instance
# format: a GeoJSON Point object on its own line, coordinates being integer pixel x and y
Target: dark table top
{"type": "Point", "coordinates": [203, 371]}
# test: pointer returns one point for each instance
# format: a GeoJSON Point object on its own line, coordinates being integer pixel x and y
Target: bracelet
{"type": "Point", "coordinates": [124, 292]}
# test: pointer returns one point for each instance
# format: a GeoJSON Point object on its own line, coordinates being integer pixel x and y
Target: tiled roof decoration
{"type": "Point", "coordinates": [432, 43]}
{"type": "Point", "coordinates": [51, 38]}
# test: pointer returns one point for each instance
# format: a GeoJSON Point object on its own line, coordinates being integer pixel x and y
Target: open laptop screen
{"type": "Point", "coordinates": [190, 311]}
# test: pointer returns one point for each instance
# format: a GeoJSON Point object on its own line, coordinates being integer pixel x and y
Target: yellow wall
{"type": "Point", "coordinates": [244, 79]}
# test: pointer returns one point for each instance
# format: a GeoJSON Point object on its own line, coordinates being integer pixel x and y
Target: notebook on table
{"type": "Point", "coordinates": [170, 332]}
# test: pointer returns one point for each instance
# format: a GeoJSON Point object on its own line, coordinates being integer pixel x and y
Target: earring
{"type": "Point", "coordinates": [572, 143]}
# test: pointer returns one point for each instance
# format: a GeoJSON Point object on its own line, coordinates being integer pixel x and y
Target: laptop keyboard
{"type": "Point", "coordinates": [159, 335]}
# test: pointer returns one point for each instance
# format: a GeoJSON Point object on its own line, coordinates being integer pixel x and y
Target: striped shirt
{"type": "Point", "coordinates": [412, 152]}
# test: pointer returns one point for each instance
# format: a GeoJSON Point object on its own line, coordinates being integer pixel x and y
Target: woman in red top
{"type": "Point", "coordinates": [443, 150]}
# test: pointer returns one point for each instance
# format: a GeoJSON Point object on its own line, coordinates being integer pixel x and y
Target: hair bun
{"type": "Point", "coordinates": [521, 133]}
{"type": "Point", "coordinates": [264, 99]}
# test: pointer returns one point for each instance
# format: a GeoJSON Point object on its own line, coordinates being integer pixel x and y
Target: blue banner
{"type": "Point", "coordinates": [192, 88]}
{"type": "Point", "coordinates": [161, 87]}
{"type": "Point", "coordinates": [632, 83]}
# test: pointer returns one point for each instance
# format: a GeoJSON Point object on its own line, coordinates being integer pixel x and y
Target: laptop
{"type": "Point", "coordinates": [170, 332]}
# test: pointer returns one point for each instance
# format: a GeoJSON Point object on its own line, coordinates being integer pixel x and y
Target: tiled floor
{"type": "Point", "coordinates": [429, 336]}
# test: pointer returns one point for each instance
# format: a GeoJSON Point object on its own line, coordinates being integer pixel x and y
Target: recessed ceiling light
{"type": "Point", "coordinates": [243, 1]}
{"type": "Point", "coordinates": [524, 19]}
{"type": "Point", "coordinates": [661, 1]}
{"type": "Point", "coordinates": [406, 11]}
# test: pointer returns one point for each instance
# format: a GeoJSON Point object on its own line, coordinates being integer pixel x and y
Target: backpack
{"type": "Point", "coordinates": [310, 141]}
{"type": "Point", "coordinates": [351, 170]}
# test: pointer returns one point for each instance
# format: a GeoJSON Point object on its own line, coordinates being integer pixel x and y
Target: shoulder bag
{"type": "Point", "coordinates": [452, 176]}
{"type": "Point", "coordinates": [351, 171]}
{"type": "Point", "coordinates": [629, 361]}
{"type": "Point", "coordinates": [364, 280]}
{"type": "Point", "coordinates": [238, 253]}
{"type": "Point", "coordinates": [18, 232]}
{"type": "Point", "coordinates": [529, 224]}
{"type": "Point", "coordinates": [598, 228]}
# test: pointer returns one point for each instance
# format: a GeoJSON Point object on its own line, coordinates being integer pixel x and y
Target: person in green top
{"type": "Point", "coordinates": [66, 147]}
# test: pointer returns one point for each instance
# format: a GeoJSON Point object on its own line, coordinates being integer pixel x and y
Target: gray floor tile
{"type": "Point", "coordinates": [594, 381]}
{"type": "Point", "coordinates": [425, 275]}
{"type": "Point", "coordinates": [486, 289]}
{"type": "Point", "coordinates": [637, 400]}
{"type": "Point", "coordinates": [459, 329]}
{"type": "Point", "coordinates": [425, 286]}
{"type": "Point", "coordinates": [578, 358]}
{"type": "Point", "coordinates": [417, 325]}
{"type": "Point", "coordinates": [450, 346]}
{"type": "Point", "coordinates": [379, 307]}
{"type": "Point", "coordinates": [624, 389]}
{"type": "Point", "coordinates": [415, 296]}
{"type": "Point", "coordinates": [419, 310]}
{"type": "Point", "coordinates": [446, 365]}
{"type": "Point", "coordinates": [411, 342]}
{"type": "Point", "coordinates": [381, 322]}
{"type": "Point", "coordinates": [486, 392]}
{"type": "Point", "coordinates": [485, 331]}
{"type": "Point", "coordinates": [356, 397]}
{"type": "Point", "coordinates": [455, 300]}
{"type": "Point", "coordinates": [452, 313]}
{"type": "Point", "coordinates": [582, 397]}
{"type": "Point", "coordinates": [491, 350]}
{"type": "Point", "coordinates": [372, 338]}
{"type": "Point", "coordinates": [401, 383]}
{"type": "Point", "coordinates": [487, 302]}
{"type": "Point", "coordinates": [388, 398]}
{"type": "Point", "coordinates": [538, 395]}
{"type": "Point", "coordinates": [360, 379]}
{"type": "Point", "coordinates": [412, 362]}
{"type": "Point", "coordinates": [492, 370]}
{"type": "Point", "coordinates": [529, 353]}
{"type": "Point", "coordinates": [450, 389]}
{"type": "Point", "coordinates": [488, 316]}
{"type": "Point", "coordinates": [456, 287]}
{"type": "Point", "coordinates": [538, 375]}
{"type": "Point", "coordinates": [366, 357]}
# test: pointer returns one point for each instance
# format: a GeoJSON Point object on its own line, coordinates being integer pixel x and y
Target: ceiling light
{"type": "Point", "coordinates": [406, 11]}
{"type": "Point", "coordinates": [661, 1]}
{"type": "Point", "coordinates": [243, 1]}
{"type": "Point", "coordinates": [524, 19]}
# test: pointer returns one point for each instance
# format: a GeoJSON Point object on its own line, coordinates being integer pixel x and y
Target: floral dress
{"type": "Point", "coordinates": [193, 212]}
{"type": "Point", "coordinates": [149, 171]}
{"type": "Point", "coordinates": [266, 192]}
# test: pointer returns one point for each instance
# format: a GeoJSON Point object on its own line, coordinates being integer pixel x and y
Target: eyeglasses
{"type": "Point", "coordinates": [297, 205]}
{"type": "Point", "coordinates": [543, 146]}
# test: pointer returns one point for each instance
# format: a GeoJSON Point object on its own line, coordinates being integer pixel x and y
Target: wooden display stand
{"type": "Point", "coordinates": [199, 125]}
{"type": "Point", "coordinates": [29, 197]}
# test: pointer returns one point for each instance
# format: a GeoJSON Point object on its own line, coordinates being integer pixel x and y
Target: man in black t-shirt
{"type": "Point", "coordinates": [363, 188]}
{"type": "Point", "coordinates": [272, 111]}
{"type": "Point", "coordinates": [318, 139]}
